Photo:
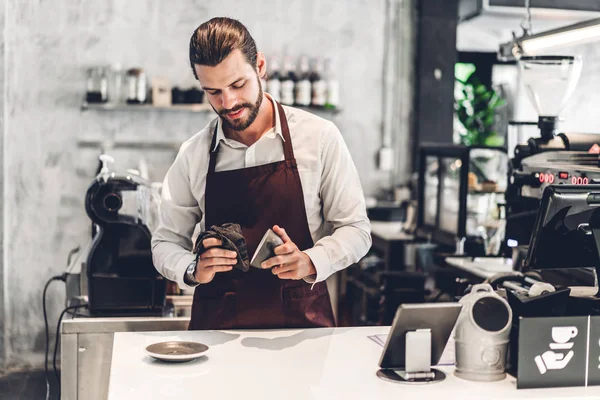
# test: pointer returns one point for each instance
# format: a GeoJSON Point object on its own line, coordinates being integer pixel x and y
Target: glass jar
{"type": "Point", "coordinates": [136, 84]}
{"type": "Point", "coordinates": [116, 92]}
{"type": "Point", "coordinates": [97, 85]}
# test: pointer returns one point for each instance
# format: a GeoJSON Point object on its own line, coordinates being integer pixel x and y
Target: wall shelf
{"type": "Point", "coordinates": [127, 143]}
{"type": "Point", "coordinates": [180, 107]}
{"type": "Point", "coordinates": [145, 107]}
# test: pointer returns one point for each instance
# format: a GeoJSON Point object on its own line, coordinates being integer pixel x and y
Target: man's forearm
{"type": "Point", "coordinates": [171, 261]}
{"type": "Point", "coordinates": [344, 247]}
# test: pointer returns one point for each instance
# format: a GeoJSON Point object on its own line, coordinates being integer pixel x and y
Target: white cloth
{"type": "Point", "coordinates": [333, 196]}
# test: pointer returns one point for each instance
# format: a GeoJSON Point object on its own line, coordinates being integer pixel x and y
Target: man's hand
{"type": "Point", "coordinates": [289, 262]}
{"type": "Point", "coordinates": [213, 260]}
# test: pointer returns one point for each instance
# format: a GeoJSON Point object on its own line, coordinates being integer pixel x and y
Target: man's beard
{"type": "Point", "coordinates": [240, 125]}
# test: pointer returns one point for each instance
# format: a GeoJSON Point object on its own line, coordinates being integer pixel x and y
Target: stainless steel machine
{"type": "Point", "coordinates": [552, 158]}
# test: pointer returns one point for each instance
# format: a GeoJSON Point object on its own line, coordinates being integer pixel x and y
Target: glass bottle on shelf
{"type": "Point", "coordinates": [97, 85]}
{"type": "Point", "coordinates": [137, 86]}
{"type": "Point", "coordinates": [333, 86]}
{"type": "Point", "coordinates": [115, 87]}
{"type": "Point", "coordinates": [288, 82]}
{"type": "Point", "coordinates": [318, 84]}
{"type": "Point", "coordinates": [303, 87]}
{"type": "Point", "coordinates": [273, 82]}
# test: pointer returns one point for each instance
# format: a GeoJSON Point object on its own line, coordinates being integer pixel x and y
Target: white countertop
{"type": "Point", "coordinates": [484, 267]}
{"type": "Point", "coordinates": [328, 363]}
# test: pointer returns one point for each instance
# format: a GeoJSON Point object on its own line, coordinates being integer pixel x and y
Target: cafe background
{"type": "Point", "coordinates": [389, 57]}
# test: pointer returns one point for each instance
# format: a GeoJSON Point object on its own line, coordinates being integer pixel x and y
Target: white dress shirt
{"type": "Point", "coordinates": [333, 196]}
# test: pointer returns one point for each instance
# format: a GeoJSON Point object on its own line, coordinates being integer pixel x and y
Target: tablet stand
{"type": "Point", "coordinates": [417, 363]}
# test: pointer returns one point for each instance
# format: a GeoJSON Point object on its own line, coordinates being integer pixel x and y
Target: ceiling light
{"type": "Point", "coordinates": [529, 45]}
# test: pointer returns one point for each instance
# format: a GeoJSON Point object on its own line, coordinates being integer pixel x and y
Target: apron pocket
{"type": "Point", "coordinates": [306, 308]}
{"type": "Point", "coordinates": [214, 313]}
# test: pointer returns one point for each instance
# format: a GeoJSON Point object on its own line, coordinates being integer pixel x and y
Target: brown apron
{"type": "Point", "coordinates": [258, 198]}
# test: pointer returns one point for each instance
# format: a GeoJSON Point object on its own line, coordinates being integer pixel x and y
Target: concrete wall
{"type": "Point", "coordinates": [3, 299]}
{"type": "Point", "coordinates": [47, 46]}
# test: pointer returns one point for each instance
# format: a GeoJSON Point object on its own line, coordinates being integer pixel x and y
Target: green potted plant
{"type": "Point", "coordinates": [475, 108]}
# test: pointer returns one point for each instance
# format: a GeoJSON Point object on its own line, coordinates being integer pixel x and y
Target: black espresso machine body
{"type": "Point", "coordinates": [567, 158]}
{"type": "Point", "coordinates": [121, 277]}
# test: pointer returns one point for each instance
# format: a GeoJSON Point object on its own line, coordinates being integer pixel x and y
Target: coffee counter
{"type": "Point", "coordinates": [87, 347]}
{"type": "Point", "coordinates": [327, 363]}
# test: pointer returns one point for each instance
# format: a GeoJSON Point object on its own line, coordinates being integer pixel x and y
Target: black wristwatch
{"type": "Point", "coordinates": [190, 275]}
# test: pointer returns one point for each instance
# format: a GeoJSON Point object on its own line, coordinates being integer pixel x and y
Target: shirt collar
{"type": "Point", "coordinates": [270, 133]}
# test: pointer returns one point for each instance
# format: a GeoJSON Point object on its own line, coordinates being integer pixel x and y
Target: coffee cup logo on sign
{"type": "Point", "coordinates": [551, 360]}
{"type": "Point", "coordinates": [561, 336]}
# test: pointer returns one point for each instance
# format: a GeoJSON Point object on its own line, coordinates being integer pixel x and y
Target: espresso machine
{"type": "Point", "coordinates": [113, 271]}
{"type": "Point", "coordinates": [553, 157]}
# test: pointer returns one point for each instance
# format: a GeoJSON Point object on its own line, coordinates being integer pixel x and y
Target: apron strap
{"type": "Point", "coordinates": [213, 154]}
{"type": "Point", "coordinates": [287, 142]}
{"type": "Point", "coordinates": [288, 150]}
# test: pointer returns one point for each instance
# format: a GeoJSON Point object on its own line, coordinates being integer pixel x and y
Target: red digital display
{"type": "Point", "coordinates": [546, 178]}
{"type": "Point", "coordinates": [578, 180]}
{"type": "Point", "coordinates": [549, 178]}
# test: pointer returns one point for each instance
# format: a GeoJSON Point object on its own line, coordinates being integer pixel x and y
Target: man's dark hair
{"type": "Point", "coordinates": [215, 39]}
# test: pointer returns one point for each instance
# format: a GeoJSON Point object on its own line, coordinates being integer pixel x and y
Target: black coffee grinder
{"type": "Point", "coordinates": [121, 277]}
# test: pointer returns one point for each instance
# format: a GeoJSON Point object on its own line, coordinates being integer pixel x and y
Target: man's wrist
{"type": "Point", "coordinates": [320, 261]}
{"type": "Point", "coordinates": [190, 275]}
{"type": "Point", "coordinates": [312, 270]}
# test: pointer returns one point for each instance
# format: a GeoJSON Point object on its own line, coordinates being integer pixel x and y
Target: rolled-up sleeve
{"type": "Point", "coordinates": [344, 208]}
{"type": "Point", "coordinates": [179, 213]}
